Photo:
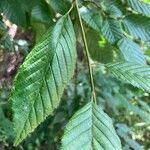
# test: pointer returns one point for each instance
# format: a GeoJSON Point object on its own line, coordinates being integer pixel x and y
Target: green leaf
{"type": "Point", "coordinates": [99, 49]}
{"type": "Point", "coordinates": [91, 18]}
{"type": "Point", "coordinates": [131, 52]}
{"type": "Point", "coordinates": [28, 5]}
{"type": "Point", "coordinates": [135, 74]}
{"type": "Point", "coordinates": [14, 11]}
{"type": "Point", "coordinates": [90, 128]}
{"type": "Point", "coordinates": [137, 26]}
{"type": "Point", "coordinates": [60, 6]}
{"type": "Point", "coordinates": [42, 78]}
{"type": "Point", "coordinates": [112, 8]}
{"type": "Point", "coordinates": [111, 30]}
{"type": "Point", "coordinates": [41, 12]}
{"type": "Point", "coordinates": [139, 6]}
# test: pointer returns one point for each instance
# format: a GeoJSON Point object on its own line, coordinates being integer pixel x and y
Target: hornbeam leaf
{"type": "Point", "coordinates": [131, 51]}
{"type": "Point", "coordinates": [135, 74]}
{"type": "Point", "coordinates": [42, 12]}
{"type": "Point", "coordinates": [139, 6]}
{"type": "Point", "coordinates": [60, 6]}
{"type": "Point", "coordinates": [99, 49]}
{"type": "Point", "coordinates": [112, 8]}
{"type": "Point", "coordinates": [92, 18]}
{"type": "Point", "coordinates": [14, 11]}
{"type": "Point", "coordinates": [90, 129]}
{"type": "Point", "coordinates": [112, 30]}
{"type": "Point", "coordinates": [42, 78]}
{"type": "Point", "coordinates": [138, 26]}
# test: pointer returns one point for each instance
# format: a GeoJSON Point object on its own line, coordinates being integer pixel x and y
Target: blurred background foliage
{"type": "Point", "coordinates": [129, 107]}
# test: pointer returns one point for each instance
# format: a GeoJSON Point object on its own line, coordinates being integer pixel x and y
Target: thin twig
{"type": "Point", "coordinates": [87, 54]}
{"type": "Point", "coordinates": [72, 5]}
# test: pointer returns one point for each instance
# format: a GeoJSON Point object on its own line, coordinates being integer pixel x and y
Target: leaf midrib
{"type": "Point", "coordinates": [94, 125]}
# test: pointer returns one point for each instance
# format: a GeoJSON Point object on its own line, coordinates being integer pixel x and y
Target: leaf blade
{"type": "Point", "coordinates": [112, 30]}
{"type": "Point", "coordinates": [99, 49]}
{"type": "Point", "coordinates": [90, 128]}
{"type": "Point", "coordinates": [131, 52]}
{"type": "Point", "coordinates": [139, 6]}
{"type": "Point", "coordinates": [137, 26]}
{"type": "Point", "coordinates": [9, 9]}
{"type": "Point", "coordinates": [135, 74]}
{"type": "Point", "coordinates": [91, 18]}
{"type": "Point", "coordinates": [42, 78]}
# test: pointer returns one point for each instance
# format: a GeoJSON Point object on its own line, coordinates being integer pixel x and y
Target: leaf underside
{"type": "Point", "coordinates": [137, 26]}
{"type": "Point", "coordinates": [135, 74]}
{"type": "Point", "coordinates": [112, 31]}
{"type": "Point", "coordinates": [113, 8]}
{"type": "Point", "coordinates": [42, 78]}
{"type": "Point", "coordinates": [90, 128]}
{"type": "Point", "coordinates": [131, 51]}
{"type": "Point", "coordinates": [139, 6]}
{"type": "Point", "coordinates": [91, 18]}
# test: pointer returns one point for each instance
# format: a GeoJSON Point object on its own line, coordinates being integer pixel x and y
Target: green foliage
{"type": "Point", "coordinates": [139, 6]}
{"type": "Point", "coordinates": [131, 51]}
{"type": "Point", "coordinates": [137, 26]}
{"type": "Point", "coordinates": [112, 8]}
{"type": "Point", "coordinates": [35, 77]}
{"type": "Point", "coordinates": [90, 128]}
{"type": "Point", "coordinates": [60, 6]}
{"type": "Point", "coordinates": [119, 96]}
{"type": "Point", "coordinates": [41, 12]}
{"type": "Point", "coordinates": [2, 26]}
{"type": "Point", "coordinates": [114, 32]}
{"type": "Point", "coordinates": [123, 132]}
{"type": "Point", "coordinates": [5, 125]}
{"type": "Point", "coordinates": [135, 74]}
{"type": "Point", "coordinates": [92, 18]}
{"type": "Point", "coordinates": [9, 8]}
{"type": "Point", "coordinates": [99, 49]}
